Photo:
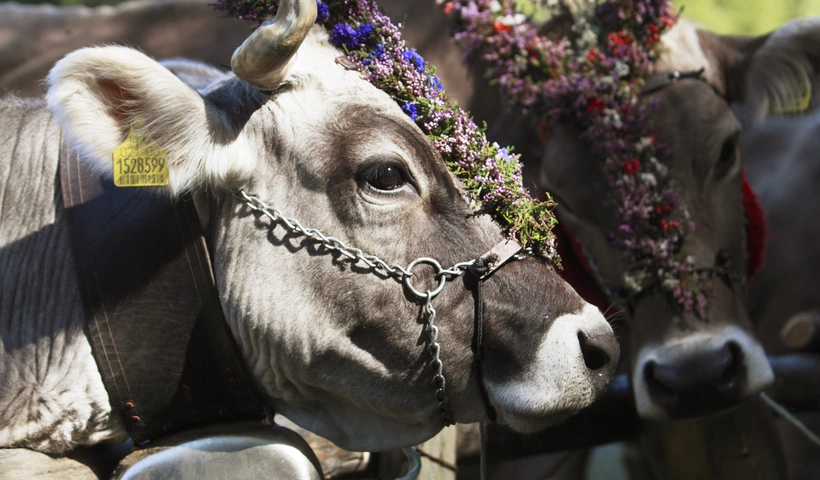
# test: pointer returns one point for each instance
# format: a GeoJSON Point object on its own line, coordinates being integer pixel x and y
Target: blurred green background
{"type": "Point", "coordinates": [742, 17]}
{"type": "Point", "coordinates": [747, 17]}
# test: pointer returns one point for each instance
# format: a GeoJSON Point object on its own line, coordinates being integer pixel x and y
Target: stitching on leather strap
{"type": "Point", "coordinates": [153, 316]}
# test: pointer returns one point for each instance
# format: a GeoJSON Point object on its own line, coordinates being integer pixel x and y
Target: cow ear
{"type": "Point", "coordinates": [100, 95]}
{"type": "Point", "coordinates": [775, 74]}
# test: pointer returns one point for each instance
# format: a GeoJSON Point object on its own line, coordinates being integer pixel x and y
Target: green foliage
{"type": "Point", "coordinates": [746, 17]}
{"type": "Point", "coordinates": [730, 17]}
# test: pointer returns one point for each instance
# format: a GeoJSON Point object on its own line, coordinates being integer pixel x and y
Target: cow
{"type": "Point", "coordinates": [779, 154]}
{"type": "Point", "coordinates": [681, 366]}
{"type": "Point", "coordinates": [335, 348]}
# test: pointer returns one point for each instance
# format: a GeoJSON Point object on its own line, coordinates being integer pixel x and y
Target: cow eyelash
{"type": "Point", "coordinates": [385, 177]}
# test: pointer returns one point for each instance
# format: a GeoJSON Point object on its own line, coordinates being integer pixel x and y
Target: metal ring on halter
{"type": "Point", "coordinates": [434, 264]}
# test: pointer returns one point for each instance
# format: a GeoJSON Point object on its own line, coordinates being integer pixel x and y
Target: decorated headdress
{"type": "Point", "coordinates": [490, 173]}
{"type": "Point", "coordinates": [592, 78]}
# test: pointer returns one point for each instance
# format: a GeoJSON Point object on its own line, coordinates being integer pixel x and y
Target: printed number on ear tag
{"type": "Point", "coordinates": [139, 161]}
{"type": "Point", "coordinates": [797, 103]}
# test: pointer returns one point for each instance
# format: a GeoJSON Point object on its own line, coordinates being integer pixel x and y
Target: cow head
{"type": "Point", "coordinates": [335, 347]}
{"type": "Point", "coordinates": [683, 365]}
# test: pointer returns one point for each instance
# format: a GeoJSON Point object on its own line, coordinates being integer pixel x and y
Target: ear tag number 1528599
{"type": "Point", "coordinates": [139, 161]}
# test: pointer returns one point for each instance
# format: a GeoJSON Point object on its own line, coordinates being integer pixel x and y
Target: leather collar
{"type": "Point", "coordinates": [153, 316]}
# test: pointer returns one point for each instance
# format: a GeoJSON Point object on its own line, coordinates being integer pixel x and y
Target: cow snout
{"type": "Point", "coordinates": [698, 385]}
{"type": "Point", "coordinates": [699, 376]}
{"type": "Point", "coordinates": [572, 365]}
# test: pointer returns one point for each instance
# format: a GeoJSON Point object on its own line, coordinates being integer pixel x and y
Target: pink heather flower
{"type": "Point", "coordinates": [596, 88]}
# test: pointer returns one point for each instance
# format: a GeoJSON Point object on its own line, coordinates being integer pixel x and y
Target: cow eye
{"type": "Point", "coordinates": [385, 177]}
{"type": "Point", "coordinates": [728, 156]}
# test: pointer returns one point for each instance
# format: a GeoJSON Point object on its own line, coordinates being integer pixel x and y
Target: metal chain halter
{"type": "Point", "coordinates": [402, 275]}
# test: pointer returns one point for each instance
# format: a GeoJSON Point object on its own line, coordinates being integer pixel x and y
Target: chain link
{"type": "Point", "coordinates": [354, 254]}
{"type": "Point", "coordinates": [436, 364]}
{"type": "Point", "coordinates": [395, 271]}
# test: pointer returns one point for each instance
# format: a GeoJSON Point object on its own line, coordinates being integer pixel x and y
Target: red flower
{"type": "Point", "coordinates": [544, 131]}
{"type": "Point", "coordinates": [500, 27]}
{"type": "Point", "coordinates": [653, 34]}
{"type": "Point", "coordinates": [617, 40]}
{"type": "Point", "coordinates": [448, 7]}
{"type": "Point", "coordinates": [663, 209]}
{"type": "Point", "coordinates": [595, 105]}
{"type": "Point", "coordinates": [631, 166]}
{"type": "Point", "coordinates": [594, 55]}
{"type": "Point", "coordinates": [667, 225]}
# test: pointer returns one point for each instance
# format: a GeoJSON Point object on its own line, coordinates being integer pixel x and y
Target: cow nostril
{"type": "Point", "coordinates": [703, 382]}
{"type": "Point", "coordinates": [651, 379]}
{"type": "Point", "coordinates": [594, 357]}
{"type": "Point", "coordinates": [733, 374]}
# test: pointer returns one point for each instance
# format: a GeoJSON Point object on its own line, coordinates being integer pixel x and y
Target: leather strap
{"type": "Point", "coordinates": [153, 316]}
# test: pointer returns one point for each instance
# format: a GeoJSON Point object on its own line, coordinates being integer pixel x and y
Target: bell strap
{"type": "Point", "coordinates": [153, 316]}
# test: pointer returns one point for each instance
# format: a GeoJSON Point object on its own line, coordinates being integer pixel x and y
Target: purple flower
{"type": "Point", "coordinates": [343, 35]}
{"type": "Point", "coordinates": [411, 56]}
{"type": "Point", "coordinates": [322, 12]}
{"type": "Point", "coordinates": [363, 32]}
{"type": "Point", "coordinates": [411, 110]}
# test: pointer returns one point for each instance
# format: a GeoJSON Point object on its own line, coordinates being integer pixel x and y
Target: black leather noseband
{"type": "Point", "coordinates": [481, 269]}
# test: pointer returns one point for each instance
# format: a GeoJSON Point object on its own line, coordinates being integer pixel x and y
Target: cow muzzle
{"type": "Point", "coordinates": [573, 364]}
{"type": "Point", "coordinates": [699, 374]}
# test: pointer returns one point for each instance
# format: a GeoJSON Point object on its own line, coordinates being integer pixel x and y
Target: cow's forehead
{"type": "Point", "coordinates": [316, 67]}
{"type": "Point", "coordinates": [333, 104]}
{"type": "Point", "coordinates": [683, 51]}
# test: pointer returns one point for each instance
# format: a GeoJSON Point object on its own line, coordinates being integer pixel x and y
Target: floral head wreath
{"type": "Point", "coordinates": [490, 173]}
{"type": "Point", "coordinates": [594, 80]}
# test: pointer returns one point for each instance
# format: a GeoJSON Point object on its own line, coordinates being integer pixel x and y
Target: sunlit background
{"type": "Point", "coordinates": [741, 17]}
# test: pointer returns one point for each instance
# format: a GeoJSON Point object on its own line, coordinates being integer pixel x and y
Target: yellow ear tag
{"type": "Point", "coordinates": [139, 161]}
{"type": "Point", "coordinates": [796, 105]}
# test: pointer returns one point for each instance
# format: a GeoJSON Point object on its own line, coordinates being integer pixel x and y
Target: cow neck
{"type": "Point", "coordinates": [579, 272]}
{"type": "Point", "coordinates": [153, 317]}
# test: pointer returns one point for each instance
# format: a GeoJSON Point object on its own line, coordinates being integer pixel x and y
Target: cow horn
{"type": "Point", "coordinates": [262, 60]}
